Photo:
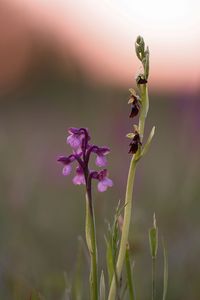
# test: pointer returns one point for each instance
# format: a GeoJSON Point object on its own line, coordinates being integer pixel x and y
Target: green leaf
{"type": "Point", "coordinates": [109, 260]}
{"type": "Point", "coordinates": [153, 239]}
{"type": "Point", "coordinates": [148, 143]}
{"type": "Point", "coordinates": [84, 250]}
{"type": "Point", "coordinates": [88, 227]}
{"type": "Point", "coordinates": [124, 290]}
{"type": "Point", "coordinates": [102, 287]}
{"type": "Point", "coordinates": [129, 275]}
{"type": "Point", "coordinates": [165, 277]}
{"type": "Point", "coordinates": [112, 244]}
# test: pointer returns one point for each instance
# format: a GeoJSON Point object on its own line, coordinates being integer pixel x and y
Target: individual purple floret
{"type": "Point", "coordinates": [79, 178]}
{"type": "Point", "coordinates": [79, 139]}
{"type": "Point", "coordinates": [104, 181]}
{"type": "Point", "coordinates": [76, 137]}
{"type": "Point", "coordinates": [101, 153]}
{"type": "Point", "coordinates": [67, 169]}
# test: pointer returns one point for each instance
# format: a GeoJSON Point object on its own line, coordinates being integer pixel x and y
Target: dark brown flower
{"type": "Point", "coordinates": [141, 79]}
{"type": "Point", "coordinates": [135, 143]}
{"type": "Point", "coordinates": [135, 107]}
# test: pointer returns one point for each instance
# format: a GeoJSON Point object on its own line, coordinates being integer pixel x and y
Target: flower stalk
{"type": "Point", "coordinates": [137, 151]}
{"type": "Point", "coordinates": [90, 232]}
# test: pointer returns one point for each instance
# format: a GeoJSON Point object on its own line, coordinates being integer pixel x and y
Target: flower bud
{"type": "Point", "coordinates": [139, 47]}
{"type": "Point", "coordinates": [145, 63]}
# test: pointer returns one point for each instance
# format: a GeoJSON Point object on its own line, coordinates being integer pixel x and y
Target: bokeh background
{"type": "Point", "coordinates": [70, 63]}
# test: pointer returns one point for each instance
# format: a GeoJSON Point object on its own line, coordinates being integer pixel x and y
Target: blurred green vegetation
{"type": "Point", "coordinates": [42, 213]}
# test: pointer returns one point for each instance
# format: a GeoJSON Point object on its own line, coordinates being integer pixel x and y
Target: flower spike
{"type": "Point", "coordinates": [78, 139]}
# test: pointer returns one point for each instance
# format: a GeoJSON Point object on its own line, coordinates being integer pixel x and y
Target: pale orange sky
{"type": "Point", "coordinates": [101, 35]}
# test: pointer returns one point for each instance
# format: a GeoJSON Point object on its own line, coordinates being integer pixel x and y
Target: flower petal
{"type": "Point", "coordinates": [101, 187]}
{"type": "Point", "coordinates": [101, 161]}
{"type": "Point", "coordinates": [74, 141]}
{"type": "Point", "coordinates": [67, 170]}
{"type": "Point", "coordinates": [103, 150]}
{"type": "Point", "coordinates": [78, 151]}
{"type": "Point", "coordinates": [66, 159]}
{"type": "Point", "coordinates": [108, 182]}
{"type": "Point", "coordinates": [74, 130]}
{"type": "Point", "coordinates": [78, 179]}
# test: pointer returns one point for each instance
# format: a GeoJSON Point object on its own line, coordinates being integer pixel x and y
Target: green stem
{"type": "Point", "coordinates": [145, 107]}
{"type": "Point", "coordinates": [125, 228]}
{"type": "Point", "coordinates": [91, 243]}
{"type": "Point", "coordinates": [129, 193]}
{"type": "Point", "coordinates": [153, 278]}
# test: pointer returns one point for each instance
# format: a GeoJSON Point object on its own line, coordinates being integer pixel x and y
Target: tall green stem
{"type": "Point", "coordinates": [129, 195]}
{"type": "Point", "coordinates": [145, 108]}
{"type": "Point", "coordinates": [125, 228]}
{"type": "Point", "coordinates": [91, 243]}
{"type": "Point", "coordinates": [153, 278]}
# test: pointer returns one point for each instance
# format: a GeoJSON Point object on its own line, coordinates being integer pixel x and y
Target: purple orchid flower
{"type": "Point", "coordinates": [78, 139]}
{"type": "Point", "coordinates": [79, 178]}
{"type": "Point", "coordinates": [101, 152]}
{"type": "Point", "coordinates": [104, 181]}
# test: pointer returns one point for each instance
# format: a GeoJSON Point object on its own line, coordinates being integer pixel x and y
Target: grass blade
{"type": "Point", "coordinates": [153, 241]}
{"type": "Point", "coordinates": [129, 275]}
{"type": "Point", "coordinates": [102, 287]}
{"type": "Point", "coordinates": [165, 277]}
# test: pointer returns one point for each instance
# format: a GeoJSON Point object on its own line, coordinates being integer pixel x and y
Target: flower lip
{"type": "Point", "coordinates": [79, 178]}
{"type": "Point", "coordinates": [141, 79]}
{"type": "Point", "coordinates": [67, 170]}
{"type": "Point", "coordinates": [134, 145]}
{"type": "Point", "coordinates": [135, 104]}
{"type": "Point", "coordinates": [104, 181]}
{"type": "Point", "coordinates": [135, 108]}
{"type": "Point", "coordinates": [101, 161]}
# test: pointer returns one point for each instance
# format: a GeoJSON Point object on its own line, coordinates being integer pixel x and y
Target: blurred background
{"type": "Point", "coordinates": [70, 63]}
